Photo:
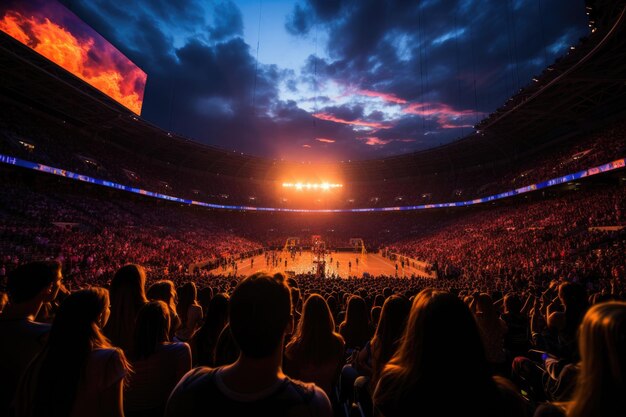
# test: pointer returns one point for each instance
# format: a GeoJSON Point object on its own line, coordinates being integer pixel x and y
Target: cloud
{"type": "Point", "coordinates": [446, 116]}
{"type": "Point", "coordinates": [299, 22]}
{"type": "Point", "coordinates": [363, 123]}
{"type": "Point", "coordinates": [374, 141]}
{"type": "Point", "coordinates": [383, 96]}
{"type": "Point", "coordinates": [378, 141]}
{"type": "Point", "coordinates": [304, 16]}
{"type": "Point", "coordinates": [325, 140]}
{"type": "Point", "coordinates": [415, 74]}
{"type": "Point", "coordinates": [227, 21]}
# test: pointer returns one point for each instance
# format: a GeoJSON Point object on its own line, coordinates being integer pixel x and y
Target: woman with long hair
{"type": "Point", "coordinates": [164, 290]}
{"type": "Point", "coordinates": [128, 295]}
{"type": "Point", "coordinates": [440, 368]}
{"type": "Point", "coordinates": [78, 373]}
{"type": "Point", "coordinates": [356, 331]}
{"type": "Point", "coordinates": [379, 350]}
{"type": "Point", "coordinates": [355, 328]}
{"type": "Point", "coordinates": [601, 387]}
{"type": "Point", "coordinates": [158, 364]}
{"type": "Point", "coordinates": [189, 311]}
{"type": "Point", "coordinates": [387, 337]}
{"type": "Point", "coordinates": [205, 339]}
{"type": "Point", "coordinates": [315, 351]}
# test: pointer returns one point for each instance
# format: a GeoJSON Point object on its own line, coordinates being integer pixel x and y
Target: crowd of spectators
{"type": "Point", "coordinates": [92, 236]}
{"type": "Point", "coordinates": [151, 336]}
{"type": "Point", "coordinates": [108, 308]}
{"type": "Point", "coordinates": [429, 341]}
{"type": "Point", "coordinates": [557, 236]}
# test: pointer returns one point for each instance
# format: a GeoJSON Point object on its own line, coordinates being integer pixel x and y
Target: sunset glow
{"type": "Point", "coordinates": [57, 34]}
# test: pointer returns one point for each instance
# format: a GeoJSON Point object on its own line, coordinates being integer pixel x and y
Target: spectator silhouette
{"type": "Point", "coordinates": [165, 291]}
{"type": "Point", "coordinates": [356, 331]}
{"type": "Point", "coordinates": [205, 339]}
{"type": "Point", "coordinates": [189, 311]}
{"type": "Point", "coordinates": [516, 339]}
{"type": "Point", "coordinates": [259, 316]}
{"type": "Point", "coordinates": [205, 295]}
{"type": "Point", "coordinates": [492, 331]}
{"type": "Point", "coordinates": [355, 328]}
{"type": "Point", "coordinates": [315, 352]}
{"type": "Point", "coordinates": [440, 368]}
{"type": "Point", "coordinates": [158, 365]}
{"type": "Point", "coordinates": [601, 387]}
{"type": "Point", "coordinates": [127, 297]}
{"type": "Point", "coordinates": [226, 349]}
{"type": "Point", "coordinates": [574, 304]}
{"type": "Point", "coordinates": [553, 378]}
{"type": "Point", "coordinates": [29, 287]}
{"type": "Point", "coordinates": [78, 373]}
{"type": "Point", "coordinates": [379, 350]}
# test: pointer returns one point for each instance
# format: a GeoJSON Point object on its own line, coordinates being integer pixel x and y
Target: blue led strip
{"type": "Point", "coordinates": [617, 164]}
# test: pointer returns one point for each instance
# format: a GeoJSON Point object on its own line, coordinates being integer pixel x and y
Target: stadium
{"type": "Point", "coordinates": [144, 267]}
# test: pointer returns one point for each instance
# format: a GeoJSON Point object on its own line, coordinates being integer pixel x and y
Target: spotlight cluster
{"type": "Point", "coordinates": [299, 186]}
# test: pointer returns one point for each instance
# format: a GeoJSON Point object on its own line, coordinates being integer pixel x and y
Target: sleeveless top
{"type": "Point", "coordinates": [201, 392]}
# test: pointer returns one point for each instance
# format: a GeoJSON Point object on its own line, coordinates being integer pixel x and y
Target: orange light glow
{"type": "Point", "coordinates": [83, 53]}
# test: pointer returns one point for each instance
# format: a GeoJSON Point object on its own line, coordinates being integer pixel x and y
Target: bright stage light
{"type": "Point", "coordinates": [325, 186]}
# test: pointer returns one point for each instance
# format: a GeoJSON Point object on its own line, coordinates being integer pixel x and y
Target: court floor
{"type": "Point", "coordinates": [341, 264]}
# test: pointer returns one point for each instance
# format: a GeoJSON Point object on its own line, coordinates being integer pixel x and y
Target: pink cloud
{"type": "Point", "coordinates": [444, 124]}
{"type": "Point", "coordinates": [374, 141]}
{"type": "Point", "coordinates": [384, 96]}
{"type": "Point", "coordinates": [306, 146]}
{"type": "Point", "coordinates": [447, 117]}
{"type": "Point", "coordinates": [325, 140]}
{"type": "Point", "coordinates": [331, 118]}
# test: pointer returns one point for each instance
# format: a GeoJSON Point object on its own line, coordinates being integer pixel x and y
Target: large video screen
{"type": "Point", "coordinates": [53, 31]}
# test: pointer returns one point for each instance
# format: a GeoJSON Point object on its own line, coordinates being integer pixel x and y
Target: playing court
{"type": "Point", "coordinates": [340, 264]}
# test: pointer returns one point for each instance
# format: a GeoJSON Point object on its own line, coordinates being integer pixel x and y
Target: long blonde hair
{"type": "Point", "coordinates": [601, 387]}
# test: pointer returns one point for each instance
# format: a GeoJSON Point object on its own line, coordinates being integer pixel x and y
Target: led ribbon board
{"type": "Point", "coordinates": [610, 166]}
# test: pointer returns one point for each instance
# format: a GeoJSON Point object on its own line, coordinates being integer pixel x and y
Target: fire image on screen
{"type": "Point", "coordinates": [53, 31]}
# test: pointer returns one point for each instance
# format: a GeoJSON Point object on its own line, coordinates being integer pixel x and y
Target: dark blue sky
{"type": "Point", "coordinates": [313, 80]}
